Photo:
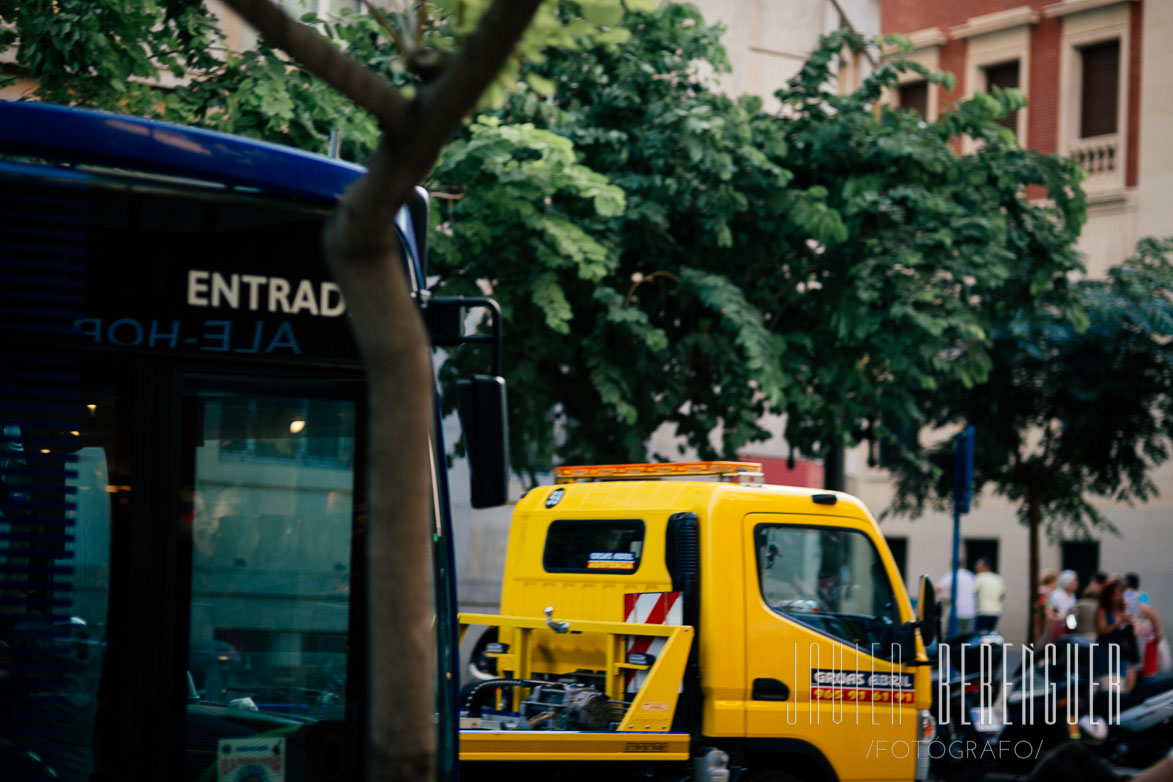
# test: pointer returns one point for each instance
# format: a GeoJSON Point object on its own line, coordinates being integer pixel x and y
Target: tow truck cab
{"type": "Point", "coordinates": [807, 655]}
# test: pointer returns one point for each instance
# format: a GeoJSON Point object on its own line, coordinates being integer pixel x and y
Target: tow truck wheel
{"type": "Point", "coordinates": [480, 666]}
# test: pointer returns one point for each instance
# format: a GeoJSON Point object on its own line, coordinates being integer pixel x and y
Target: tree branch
{"type": "Point", "coordinates": [363, 253]}
{"type": "Point", "coordinates": [386, 24]}
{"type": "Point", "coordinates": [321, 58]}
{"type": "Point", "coordinates": [459, 87]}
{"type": "Point", "coordinates": [421, 22]}
{"type": "Point", "coordinates": [442, 105]}
{"type": "Point", "coordinates": [414, 133]}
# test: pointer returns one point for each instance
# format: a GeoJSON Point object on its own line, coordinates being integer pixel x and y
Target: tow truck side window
{"type": "Point", "coordinates": [829, 579]}
{"type": "Point", "coordinates": [594, 546]}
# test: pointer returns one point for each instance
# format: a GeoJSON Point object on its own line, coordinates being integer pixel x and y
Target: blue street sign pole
{"type": "Point", "coordinates": [956, 567]}
{"type": "Point", "coordinates": [962, 493]}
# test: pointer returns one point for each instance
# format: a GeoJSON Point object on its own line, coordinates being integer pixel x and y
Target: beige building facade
{"type": "Point", "coordinates": [768, 41]}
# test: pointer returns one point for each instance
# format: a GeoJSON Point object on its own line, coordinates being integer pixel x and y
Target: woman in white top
{"type": "Point", "coordinates": [1060, 603]}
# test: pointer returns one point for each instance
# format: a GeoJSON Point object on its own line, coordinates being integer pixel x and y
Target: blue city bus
{"type": "Point", "coordinates": [182, 463]}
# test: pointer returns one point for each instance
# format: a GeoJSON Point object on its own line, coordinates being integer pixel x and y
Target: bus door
{"type": "Point", "coordinates": [270, 500]}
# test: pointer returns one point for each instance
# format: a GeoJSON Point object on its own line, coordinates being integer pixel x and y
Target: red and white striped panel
{"type": "Point", "coordinates": [653, 608]}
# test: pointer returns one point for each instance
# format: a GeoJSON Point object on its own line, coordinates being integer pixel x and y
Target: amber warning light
{"type": "Point", "coordinates": [597, 472]}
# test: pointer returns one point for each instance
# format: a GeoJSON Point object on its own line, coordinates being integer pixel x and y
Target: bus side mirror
{"type": "Point", "coordinates": [481, 405]}
{"type": "Point", "coordinates": [480, 400]}
{"type": "Point", "coordinates": [928, 611]}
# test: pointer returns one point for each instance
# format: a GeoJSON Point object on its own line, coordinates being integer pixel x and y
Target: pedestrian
{"type": "Point", "coordinates": [990, 591]}
{"type": "Point", "coordinates": [1093, 589]}
{"type": "Point", "coordinates": [1114, 629]}
{"type": "Point", "coordinates": [1060, 603]}
{"type": "Point", "coordinates": [1085, 612]}
{"type": "Point", "coordinates": [1145, 622]}
{"type": "Point", "coordinates": [966, 599]}
{"type": "Point", "coordinates": [1047, 581]}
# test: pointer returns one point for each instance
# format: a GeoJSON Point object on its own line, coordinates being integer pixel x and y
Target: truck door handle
{"type": "Point", "coordinates": [770, 690]}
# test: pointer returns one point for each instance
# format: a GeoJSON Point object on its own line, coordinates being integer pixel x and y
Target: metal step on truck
{"type": "Point", "coordinates": [687, 622]}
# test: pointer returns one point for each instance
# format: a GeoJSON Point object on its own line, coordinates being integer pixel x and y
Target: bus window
{"type": "Point", "coordinates": [63, 471]}
{"type": "Point", "coordinates": [272, 503]}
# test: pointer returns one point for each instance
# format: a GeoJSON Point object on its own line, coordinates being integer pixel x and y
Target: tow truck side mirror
{"type": "Point", "coordinates": [928, 612]}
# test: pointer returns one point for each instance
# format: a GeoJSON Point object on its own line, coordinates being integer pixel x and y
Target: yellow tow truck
{"type": "Point", "coordinates": [687, 622]}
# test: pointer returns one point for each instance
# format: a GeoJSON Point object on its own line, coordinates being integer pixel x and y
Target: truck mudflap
{"type": "Point", "coordinates": [537, 710]}
{"type": "Point", "coordinates": [503, 745]}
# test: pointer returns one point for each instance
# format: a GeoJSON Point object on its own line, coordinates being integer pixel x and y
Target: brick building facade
{"type": "Point", "coordinates": [1098, 76]}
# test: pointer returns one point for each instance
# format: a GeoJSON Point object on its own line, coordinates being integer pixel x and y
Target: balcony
{"type": "Point", "coordinates": [1102, 159]}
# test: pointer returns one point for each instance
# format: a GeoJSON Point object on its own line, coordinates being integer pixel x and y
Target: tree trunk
{"type": "Point", "coordinates": [362, 249]}
{"type": "Point", "coordinates": [834, 471]}
{"type": "Point", "coordinates": [1033, 517]}
{"type": "Point", "coordinates": [363, 253]}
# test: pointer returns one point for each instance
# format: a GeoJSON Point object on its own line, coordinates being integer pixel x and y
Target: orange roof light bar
{"type": "Point", "coordinates": [594, 472]}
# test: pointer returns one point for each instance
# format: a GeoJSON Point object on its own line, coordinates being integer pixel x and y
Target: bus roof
{"type": "Point", "coordinates": [61, 134]}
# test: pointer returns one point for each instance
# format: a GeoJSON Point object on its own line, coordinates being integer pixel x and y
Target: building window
{"type": "Point", "coordinates": [915, 96]}
{"type": "Point", "coordinates": [1100, 93]}
{"type": "Point", "coordinates": [1083, 557]}
{"type": "Point", "coordinates": [1004, 76]}
{"type": "Point", "coordinates": [1093, 98]}
{"type": "Point", "coordinates": [981, 548]}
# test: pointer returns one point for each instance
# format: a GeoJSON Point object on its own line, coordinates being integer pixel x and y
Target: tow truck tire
{"type": "Point", "coordinates": [480, 667]}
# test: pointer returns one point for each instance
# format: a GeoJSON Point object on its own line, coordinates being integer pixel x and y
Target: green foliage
{"type": "Point", "coordinates": [168, 59]}
{"type": "Point", "coordinates": [663, 254]}
{"type": "Point", "coordinates": [556, 25]}
{"type": "Point", "coordinates": [638, 113]}
{"type": "Point", "coordinates": [827, 261]}
{"type": "Point", "coordinates": [105, 53]}
{"type": "Point", "coordinates": [256, 93]}
{"type": "Point", "coordinates": [525, 225]}
{"type": "Point", "coordinates": [1070, 410]}
{"type": "Point", "coordinates": [938, 246]}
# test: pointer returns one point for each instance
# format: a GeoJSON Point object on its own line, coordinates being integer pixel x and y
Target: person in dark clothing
{"type": "Point", "coordinates": [1114, 628]}
{"type": "Point", "coordinates": [1096, 585]}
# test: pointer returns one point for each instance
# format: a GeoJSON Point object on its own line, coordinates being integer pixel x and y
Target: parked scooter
{"type": "Point", "coordinates": [971, 668]}
{"type": "Point", "coordinates": [1046, 700]}
{"type": "Point", "coordinates": [1138, 730]}
{"type": "Point", "coordinates": [1004, 713]}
